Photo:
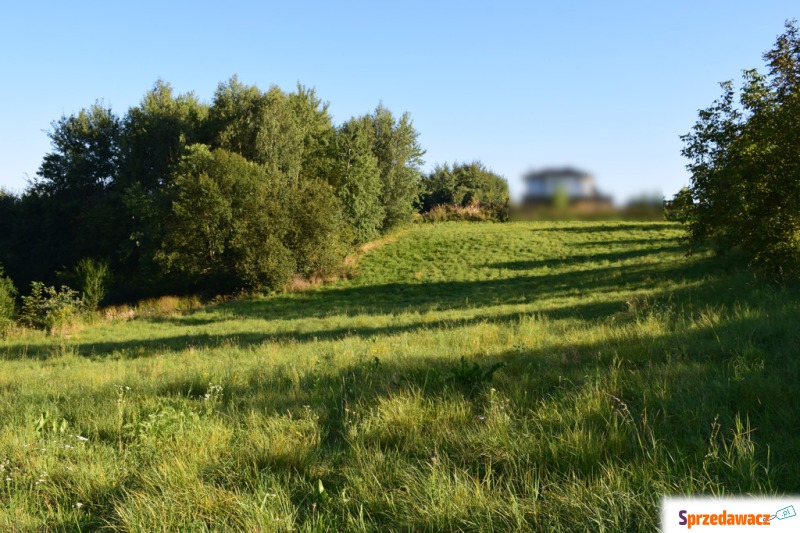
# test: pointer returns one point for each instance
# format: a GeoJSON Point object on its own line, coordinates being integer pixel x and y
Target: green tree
{"type": "Point", "coordinates": [86, 153]}
{"type": "Point", "coordinates": [227, 224]}
{"type": "Point", "coordinates": [310, 113]}
{"type": "Point", "coordinates": [395, 145]}
{"type": "Point", "coordinates": [155, 134]}
{"type": "Point", "coordinates": [357, 180]}
{"type": "Point", "coordinates": [157, 131]}
{"type": "Point", "coordinates": [745, 164]}
{"type": "Point", "coordinates": [72, 209]}
{"type": "Point", "coordinates": [317, 234]}
{"type": "Point", "coordinates": [263, 127]}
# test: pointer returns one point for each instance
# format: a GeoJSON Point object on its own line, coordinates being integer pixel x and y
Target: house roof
{"type": "Point", "coordinates": [556, 173]}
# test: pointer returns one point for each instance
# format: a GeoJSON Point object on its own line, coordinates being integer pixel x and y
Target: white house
{"type": "Point", "coordinates": [541, 186]}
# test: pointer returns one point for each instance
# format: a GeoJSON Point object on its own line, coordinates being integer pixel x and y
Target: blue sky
{"type": "Point", "coordinates": [606, 86]}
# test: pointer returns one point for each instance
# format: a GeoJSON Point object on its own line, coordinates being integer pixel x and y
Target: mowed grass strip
{"type": "Point", "coordinates": [547, 376]}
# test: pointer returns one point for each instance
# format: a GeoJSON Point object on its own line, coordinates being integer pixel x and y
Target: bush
{"type": "Point", "coordinates": [94, 278]}
{"type": "Point", "coordinates": [163, 306]}
{"type": "Point", "coordinates": [50, 309]}
{"type": "Point", "coordinates": [464, 184]}
{"type": "Point", "coordinates": [473, 212]}
{"type": "Point", "coordinates": [7, 303]}
{"type": "Point", "coordinates": [447, 212]}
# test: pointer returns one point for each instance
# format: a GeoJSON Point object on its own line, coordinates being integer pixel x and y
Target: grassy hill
{"type": "Point", "coordinates": [550, 376]}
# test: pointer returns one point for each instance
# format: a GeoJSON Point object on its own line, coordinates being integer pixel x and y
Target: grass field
{"type": "Point", "coordinates": [533, 376]}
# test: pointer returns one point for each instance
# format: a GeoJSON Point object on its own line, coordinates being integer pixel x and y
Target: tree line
{"type": "Point", "coordinates": [242, 193]}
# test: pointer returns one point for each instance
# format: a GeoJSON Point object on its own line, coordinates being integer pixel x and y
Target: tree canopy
{"type": "Point", "coordinates": [239, 193]}
{"type": "Point", "coordinates": [745, 164]}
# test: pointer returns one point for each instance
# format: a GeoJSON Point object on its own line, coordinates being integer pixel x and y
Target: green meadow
{"type": "Point", "coordinates": [551, 376]}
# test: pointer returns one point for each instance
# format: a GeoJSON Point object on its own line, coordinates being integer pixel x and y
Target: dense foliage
{"type": "Point", "coordinates": [745, 164]}
{"type": "Point", "coordinates": [243, 192]}
{"type": "Point", "coordinates": [462, 185]}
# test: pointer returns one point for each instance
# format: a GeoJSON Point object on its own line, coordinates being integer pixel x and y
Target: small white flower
{"type": "Point", "coordinates": [82, 439]}
{"type": "Point", "coordinates": [78, 505]}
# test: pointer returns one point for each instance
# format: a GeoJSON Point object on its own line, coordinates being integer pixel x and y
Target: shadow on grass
{"type": "Point", "coordinates": [399, 298]}
{"type": "Point", "coordinates": [613, 257]}
{"type": "Point", "coordinates": [675, 385]}
{"type": "Point", "coordinates": [668, 387]}
{"type": "Point", "coordinates": [656, 239]}
{"type": "Point", "coordinates": [609, 227]}
{"type": "Point", "coordinates": [177, 343]}
{"type": "Point", "coordinates": [396, 298]}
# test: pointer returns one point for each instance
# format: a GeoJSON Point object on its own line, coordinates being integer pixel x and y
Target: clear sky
{"type": "Point", "coordinates": [605, 86]}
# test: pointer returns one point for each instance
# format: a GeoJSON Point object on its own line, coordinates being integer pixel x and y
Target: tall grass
{"type": "Point", "coordinates": [545, 376]}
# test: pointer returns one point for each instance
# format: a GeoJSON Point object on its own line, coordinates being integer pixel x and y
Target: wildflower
{"type": "Point", "coordinates": [78, 505]}
{"type": "Point", "coordinates": [82, 439]}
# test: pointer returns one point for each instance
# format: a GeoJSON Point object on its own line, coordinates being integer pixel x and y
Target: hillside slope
{"type": "Point", "coordinates": [551, 376]}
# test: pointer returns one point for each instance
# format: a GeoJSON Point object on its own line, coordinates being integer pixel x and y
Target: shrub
{"type": "Point", "coordinates": [63, 308]}
{"type": "Point", "coordinates": [94, 278]}
{"type": "Point", "coordinates": [166, 306]}
{"type": "Point", "coordinates": [473, 212]}
{"type": "Point", "coordinates": [464, 184]}
{"type": "Point", "coordinates": [51, 309]}
{"type": "Point", "coordinates": [446, 212]}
